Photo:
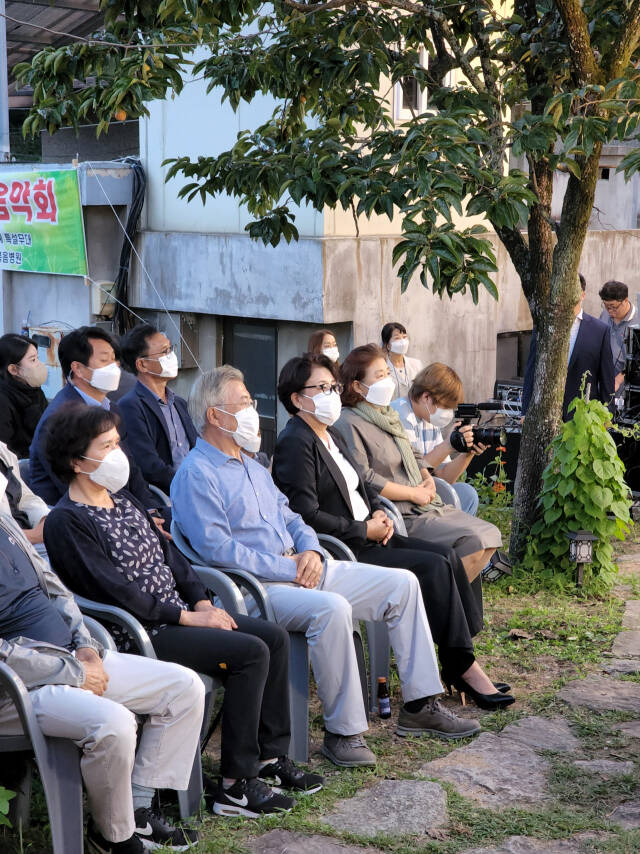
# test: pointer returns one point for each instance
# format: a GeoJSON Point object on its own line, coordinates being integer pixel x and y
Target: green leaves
{"type": "Point", "coordinates": [5, 796]}
{"type": "Point", "coordinates": [583, 489]}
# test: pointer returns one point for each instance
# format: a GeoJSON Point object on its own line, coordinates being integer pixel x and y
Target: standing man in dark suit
{"type": "Point", "coordinates": [589, 352]}
{"type": "Point", "coordinates": [89, 361]}
{"type": "Point", "coordinates": [160, 431]}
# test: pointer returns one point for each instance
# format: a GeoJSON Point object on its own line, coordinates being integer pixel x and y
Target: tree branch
{"type": "Point", "coordinates": [516, 246]}
{"type": "Point", "coordinates": [622, 49]}
{"type": "Point", "coordinates": [577, 27]}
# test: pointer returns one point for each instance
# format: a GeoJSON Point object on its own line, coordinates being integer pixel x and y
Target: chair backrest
{"type": "Point", "coordinates": [164, 498]}
{"type": "Point", "coordinates": [446, 492]}
{"type": "Point", "coordinates": [180, 541]}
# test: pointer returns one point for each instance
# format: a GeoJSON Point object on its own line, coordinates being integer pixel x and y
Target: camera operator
{"type": "Point", "coordinates": [429, 407]}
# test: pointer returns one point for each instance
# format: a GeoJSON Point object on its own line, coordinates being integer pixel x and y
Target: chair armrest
{"type": "Point", "coordinates": [394, 514]}
{"type": "Point", "coordinates": [99, 633]}
{"type": "Point", "coordinates": [336, 547]}
{"type": "Point", "coordinates": [223, 587]}
{"type": "Point", "coordinates": [13, 686]}
{"type": "Point", "coordinates": [255, 589]}
{"type": "Point", "coordinates": [101, 612]}
{"type": "Point", "coordinates": [446, 492]}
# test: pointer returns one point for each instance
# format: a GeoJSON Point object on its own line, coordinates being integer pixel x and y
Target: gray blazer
{"type": "Point", "coordinates": [376, 454]}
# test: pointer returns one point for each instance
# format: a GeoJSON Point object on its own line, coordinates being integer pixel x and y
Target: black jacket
{"type": "Point", "coordinates": [306, 472]}
{"type": "Point", "coordinates": [20, 409]}
{"type": "Point", "coordinates": [79, 553]}
{"type": "Point", "coordinates": [50, 488]}
{"type": "Point", "coordinates": [591, 354]}
{"type": "Point", "coordinates": [148, 436]}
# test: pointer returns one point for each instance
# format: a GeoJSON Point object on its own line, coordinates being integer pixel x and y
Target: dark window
{"type": "Point", "coordinates": [252, 348]}
{"type": "Point", "coordinates": [410, 94]}
{"type": "Point", "coordinates": [512, 352]}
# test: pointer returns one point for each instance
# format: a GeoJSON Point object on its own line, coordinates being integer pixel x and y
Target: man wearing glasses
{"type": "Point", "coordinates": [160, 432]}
{"type": "Point", "coordinates": [618, 313]}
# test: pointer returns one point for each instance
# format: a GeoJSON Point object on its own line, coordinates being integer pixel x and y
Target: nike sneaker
{"type": "Point", "coordinates": [154, 831]}
{"type": "Point", "coordinates": [282, 773]}
{"type": "Point", "coordinates": [251, 798]}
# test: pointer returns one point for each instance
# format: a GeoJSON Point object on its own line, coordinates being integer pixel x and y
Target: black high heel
{"type": "Point", "coordinates": [503, 687]}
{"type": "Point", "coordinates": [489, 702]}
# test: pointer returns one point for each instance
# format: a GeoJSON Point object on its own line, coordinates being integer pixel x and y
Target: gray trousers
{"type": "Point", "coordinates": [358, 591]}
{"type": "Point", "coordinates": [104, 728]}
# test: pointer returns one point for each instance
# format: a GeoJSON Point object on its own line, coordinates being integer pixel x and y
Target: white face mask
{"type": "Point", "coordinates": [400, 346]}
{"type": "Point", "coordinates": [106, 378]}
{"type": "Point", "coordinates": [331, 353]}
{"type": "Point", "coordinates": [248, 426]}
{"type": "Point", "coordinates": [35, 375]}
{"type": "Point", "coordinates": [381, 393]}
{"type": "Point", "coordinates": [441, 417]}
{"type": "Point", "coordinates": [252, 444]}
{"type": "Point", "coordinates": [328, 407]}
{"type": "Point", "coordinates": [168, 365]}
{"type": "Point", "coordinates": [113, 471]}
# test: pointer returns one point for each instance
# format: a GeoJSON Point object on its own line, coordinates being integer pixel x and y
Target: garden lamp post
{"type": "Point", "coordinates": [581, 551]}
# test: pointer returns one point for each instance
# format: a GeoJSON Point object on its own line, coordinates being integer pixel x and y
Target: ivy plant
{"type": "Point", "coordinates": [583, 489]}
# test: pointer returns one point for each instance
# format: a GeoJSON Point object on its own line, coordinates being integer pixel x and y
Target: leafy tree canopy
{"type": "Point", "coordinates": [332, 139]}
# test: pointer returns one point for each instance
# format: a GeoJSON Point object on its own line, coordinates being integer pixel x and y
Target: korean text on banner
{"type": "Point", "coordinates": [41, 227]}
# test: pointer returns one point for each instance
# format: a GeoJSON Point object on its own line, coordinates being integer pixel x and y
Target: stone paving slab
{"type": "Point", "coordinates": [622, 666]}
{"type": "Point", "coordinates": [631, 616]}
{"type": "Point", "coordinates": [627, 644]}
{"type": "Point", "coordinates": [542, 734]}
{"type": "Point", "coordinates": [627, 815]}
{"type": "Point", "coordinates": [393, 807]}
{"type": "Point", "coordinates": [602, 693]}
{"type": "Point", "coordinates": [285, 842]}
{"type": "Point", "coordinates": [494, 772]}
{"type": "Point", "coordinates": [630, 728]}
{"type": "Point", "coordinates": [528, 845]}
{"type": "Point", "coordinates": [606, 768]}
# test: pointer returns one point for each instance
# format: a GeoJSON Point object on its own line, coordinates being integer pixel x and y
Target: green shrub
{"type": "Point", "coordinates": [5, 797]}
{"type": "Point", "coordinates": [583, 488]}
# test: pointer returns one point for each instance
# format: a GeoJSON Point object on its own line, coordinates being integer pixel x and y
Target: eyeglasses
{"type": "Point", "coordinates": [612, 305]}
{"type": "Point", "coordinates": [325, 388]}
{"type": "Point", "coordinates": [155, 356]}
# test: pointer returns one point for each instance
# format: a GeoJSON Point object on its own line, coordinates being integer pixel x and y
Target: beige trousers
{"type": "Point", "coordinates": [104, 728]}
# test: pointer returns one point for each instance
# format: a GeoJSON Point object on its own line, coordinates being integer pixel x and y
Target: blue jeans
{"type": "Point", "coordinates": [468, 497]}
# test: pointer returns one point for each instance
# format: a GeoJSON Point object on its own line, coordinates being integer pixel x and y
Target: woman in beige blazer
{"type": "Point", "coordinates": [377, 440]}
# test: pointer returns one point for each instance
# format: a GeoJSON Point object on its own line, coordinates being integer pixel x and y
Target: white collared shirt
{"type": "Point", "coordinates": [575, 328]}
{"type": "Point", "coordinates": [358, 505]}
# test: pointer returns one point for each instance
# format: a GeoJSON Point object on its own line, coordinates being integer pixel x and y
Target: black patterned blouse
{"type": "Point", "coordinates": [135, 551]}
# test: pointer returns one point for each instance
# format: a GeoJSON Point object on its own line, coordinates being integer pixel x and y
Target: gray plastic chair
{"type": "Point", "coordinates": [58, 762]}
{"type": "Point", "coordinates": [395, 515]}
{"type": "Point", "coordinates": [189, 800]}
{"type": "Point", "coordinates": [446, 492]}
{"type": "Point", "coordinates": [164, 498]}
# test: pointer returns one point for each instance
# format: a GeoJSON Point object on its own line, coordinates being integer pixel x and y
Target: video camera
{"type": "Point", "coordinates": [468, 412]}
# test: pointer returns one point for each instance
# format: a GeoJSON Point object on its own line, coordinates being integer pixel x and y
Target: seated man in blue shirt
{"type": "Point", "coordinates": [160, 431]}
{"type": "Point", "coordinates": [232, 514]}
{"type": "Point", "coordinates": [81, 692]}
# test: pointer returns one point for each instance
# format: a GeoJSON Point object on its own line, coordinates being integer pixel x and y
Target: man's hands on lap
{"type": "Point", "coordinates": [95, 676]}
{"type": "Point", "coordinates": [310, 568]}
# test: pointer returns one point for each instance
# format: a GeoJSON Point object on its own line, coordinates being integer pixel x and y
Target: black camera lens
{"type": "Point", "coordinates": [491, 436]}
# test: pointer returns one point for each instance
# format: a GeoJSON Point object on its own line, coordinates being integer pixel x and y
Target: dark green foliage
{"type": "Point", "coordinates": [583, 489]}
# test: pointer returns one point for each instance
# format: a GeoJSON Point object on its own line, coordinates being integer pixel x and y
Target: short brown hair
{"type": "Point", "coordinates": [440, 381]}
{"type": "Point", "coordinates": [355, 367]}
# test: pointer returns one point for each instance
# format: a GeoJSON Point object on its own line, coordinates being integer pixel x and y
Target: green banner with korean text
{"type": "Point", "coordinates": [41, 226]}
